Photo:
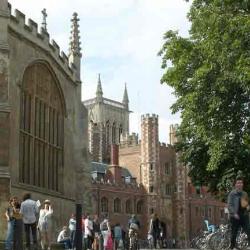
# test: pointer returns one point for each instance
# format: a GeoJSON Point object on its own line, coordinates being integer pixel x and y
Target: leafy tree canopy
{"type": "Point", "coordinates": [210, 74]}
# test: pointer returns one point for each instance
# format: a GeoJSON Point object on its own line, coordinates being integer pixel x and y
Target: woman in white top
{"type": "Point", "coordinates": [44, 224]}
{"type": "Point", "coordinates": [106, 231]}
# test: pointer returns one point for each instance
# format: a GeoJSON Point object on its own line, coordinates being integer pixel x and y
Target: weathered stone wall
{"type": "Point", "coordinates": [23, 47]}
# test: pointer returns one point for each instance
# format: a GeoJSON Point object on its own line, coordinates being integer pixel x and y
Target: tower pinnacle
{"type": "Point", "coordinates": [125, 100]}
{"type": "Point", "coordinates": [44, 23]}
{"type": "Point", "coordinates": [99, 92]}
{"type": "Point", "coordinates": [75, 44]}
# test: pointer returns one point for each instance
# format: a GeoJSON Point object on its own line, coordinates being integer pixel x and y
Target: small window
{"type": "Point", "coordinates": [151, 189]}
{"type": "Point", "coordinates": [128, 207]}
{"type": "Point", "coordinates": [128, 179]}
{"type": "Point", "coordinates": [104, 205]}
{"type": "Point", "coordinates": [139, 207]}
{"type": "Point", "coordinates": [151, 166]}
{"type": "Point", "coordinates": [117, 205]}
{"type": "Point", "coordinates": [167, 168]}
{"type": "Point", "coordinates": [181, 211]}
{"type": "Point", "coordinates": [151, 211]}
{"type": "Point", "coordinates": [168, 190]}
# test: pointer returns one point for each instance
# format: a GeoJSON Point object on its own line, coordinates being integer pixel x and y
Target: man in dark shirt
{"type": "Point", "coordinates": [238, 209]}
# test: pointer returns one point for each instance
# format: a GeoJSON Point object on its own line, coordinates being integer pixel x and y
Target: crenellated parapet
{"type": "Point", "coordinates": [124, 186]}
{"type": "Point", "coordinates": [149, 117]}
{"type": "Point", "coordinates": [173, 138]}
{"type": "Point", "coordinates": [28, 29]}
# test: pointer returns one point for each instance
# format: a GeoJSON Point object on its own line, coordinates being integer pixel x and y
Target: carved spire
{"type": "Point", "coordinates": [99, 92]}
{"type": "Point", "coordinates": [44, 23]}
{"type": "Point", "coordinates": [125, 100]}
{"type": "Point", "coordinates": [75, 44]}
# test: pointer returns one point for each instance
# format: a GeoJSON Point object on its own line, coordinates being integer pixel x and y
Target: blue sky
{"type": "Point", "coordinates": [120, 40]}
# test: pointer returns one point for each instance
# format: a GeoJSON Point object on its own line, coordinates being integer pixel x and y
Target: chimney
{"type": "Point", "coordinates": [115, 168]}
{"type": "Point", "coordinates": [114, 155]}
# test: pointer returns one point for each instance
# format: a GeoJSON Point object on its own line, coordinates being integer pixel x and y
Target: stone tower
{"type": "Point", "coordinates": [180, 211]}
{"type": "Point", "coordinates": [108, 123]}
{"type": "Point", "coordinates": [150, 159]}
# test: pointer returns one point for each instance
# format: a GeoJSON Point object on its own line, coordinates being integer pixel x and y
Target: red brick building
{"type": "Point", "coordinates": [145, 176]}
{"type": "Point", "coordinates": [159, 183]}
{"type": "Point", "coordinates": [117, 193]}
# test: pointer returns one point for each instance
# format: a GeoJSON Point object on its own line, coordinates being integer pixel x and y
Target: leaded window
{"type": "Point", "coordinates": [128, 207]}
{"type": "Point", "coordinates": [104, 205]}
{"type": "Point", "coordinates": [41, 129]}
{"type": "Point", "coordinates": [139, 207]}
{"type": "Point", "coordinates": [117, 205]}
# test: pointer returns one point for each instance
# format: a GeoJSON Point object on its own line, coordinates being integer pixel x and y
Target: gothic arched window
{"type": "Point", "coordinates": [41, 128]}
{"type": "Point", "coordinates": [120, 133]}
{"type": "Point", "coordinates": [107, 132]}
{"type": "Point", "coordinates": [114, 133]}
{"type": "Point", "coordinates": [117, 205]}
{"type": "Point", "coordinates": [139, 207]}
{"type": "Point", "coordinates": [128, 207]}
{"type": "Point", "coordinates": [104, 205]}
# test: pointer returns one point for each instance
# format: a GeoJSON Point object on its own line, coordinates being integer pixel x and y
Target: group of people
{"type": "Point", "coordinates": [97, 234]}
{"type": "Point", "coordinates": [28, 215]}
{"type": "Point", "coordinates": [35, 219]}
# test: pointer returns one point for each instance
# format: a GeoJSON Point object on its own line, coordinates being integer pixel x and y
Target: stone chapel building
{"type": "Point", "coordinates": [43, 124]}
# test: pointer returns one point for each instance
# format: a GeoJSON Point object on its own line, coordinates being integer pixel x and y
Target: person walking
{"type": "Point", "coordinates": [118, 236]}
{"type": "Point", "coordinates": [10, 220]}
{"type": "Point", "coordinates": [29, 211]}
{"type": "Point", "coordinates": [238, 210]}
{"type": "Point", "coordinates": [72, 229]}
{"type": "Point", "coordinates": [45, 224]}
{"type": "Point", "coordinates": [18, 227]}
{"type": "Point", "coordinates": [88, 232]}
{"type": "Point", "coordinates": [105, 231]}
{"type": "Point", "coordinates": [97, 233]}
{"type": "Point", "coordinates": [154, 229]}
{"type": "Point", "coordinates": [133, 231]}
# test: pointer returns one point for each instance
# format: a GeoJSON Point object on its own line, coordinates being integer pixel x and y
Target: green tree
{"type": "Point", "coordinates": [210, 74]}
